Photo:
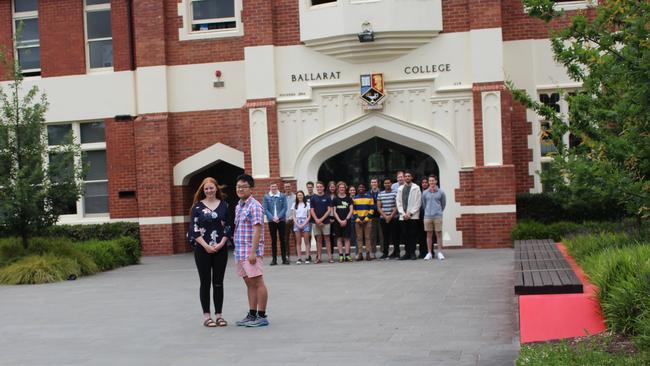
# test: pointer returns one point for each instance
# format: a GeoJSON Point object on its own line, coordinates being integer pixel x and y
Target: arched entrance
{"type": "Point", "coordinates": [225, 174]}
{"type": "Point", "coordinates": [376, 157]}
{"type": "Point", "coordinates": [319, 149]}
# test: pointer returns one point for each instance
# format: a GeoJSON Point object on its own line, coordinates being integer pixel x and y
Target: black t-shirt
{"type": "Point", "coordinates": [342, 206]}
{"type": "Point", "coordinates": [320, 204]}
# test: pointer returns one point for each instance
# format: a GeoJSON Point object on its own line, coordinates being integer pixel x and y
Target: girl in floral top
{"type": "Point", "coordinates": [208, 235]}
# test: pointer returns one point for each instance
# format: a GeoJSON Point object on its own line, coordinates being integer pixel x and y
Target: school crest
{"type": "Point", "coordinates": [372, 90]}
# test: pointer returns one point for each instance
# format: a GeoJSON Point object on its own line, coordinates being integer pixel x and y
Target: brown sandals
{"type": "Point", "coordinates": [209, 323]}
{"type": "Point", "coordinates": [221, 322]}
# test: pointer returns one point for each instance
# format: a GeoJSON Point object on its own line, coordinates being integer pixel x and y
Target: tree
{"type": "Point", "coordinates": [37, 182]}
{"type": "Point", "coordinates": [609, 54]}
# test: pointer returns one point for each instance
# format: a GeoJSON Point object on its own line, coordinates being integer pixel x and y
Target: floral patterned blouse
{"type": "Point", "coordinates": [210, 224]}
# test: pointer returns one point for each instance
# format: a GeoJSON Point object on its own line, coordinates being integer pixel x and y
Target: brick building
{"type": "Point", "coordinates": [162, 93]}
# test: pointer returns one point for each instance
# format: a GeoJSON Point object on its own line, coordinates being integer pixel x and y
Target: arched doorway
{"type": "Point", "coordinates": [376, 157]}
{"type": "Point", "coordinates": [225, 174]}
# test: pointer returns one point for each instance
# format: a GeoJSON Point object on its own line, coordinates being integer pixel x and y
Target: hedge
{"type": "Point", "coordinates": [550, 208]}
{"type": "Point", "coordinates": [106, 231]}
{"type": "Point", "coordinates": [50, 258]}
{"type": "Point", "coordinates": [558, 230]}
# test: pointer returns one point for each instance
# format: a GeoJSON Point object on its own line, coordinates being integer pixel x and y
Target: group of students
{"type": "Point", "coordinates": [402, 213]}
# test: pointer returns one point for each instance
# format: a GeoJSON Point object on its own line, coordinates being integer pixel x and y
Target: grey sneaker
{"type": "Point", "coordinates": [258, 322]}
{"type": "Point", "coordinates": [249, 318]}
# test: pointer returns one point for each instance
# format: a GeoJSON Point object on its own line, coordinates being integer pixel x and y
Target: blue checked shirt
{"type": "Point", "coordinates": [248, 214]}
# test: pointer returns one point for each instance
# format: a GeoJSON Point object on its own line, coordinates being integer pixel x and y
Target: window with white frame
{"type": "Point", "coordinates": [558, 102]}
{"type": "Point", "coordinates": [25, 23]}
{"type": "Point", "coordinates": [204, 19]}
{"type": "Point", "coordinates": [210, 15]}
{"type": "Point", "coordinates": [320, 2]}
{"type": "Point", "coordinates": [99, 35]}
{"type": "Point", "coordinates": [91, 137]}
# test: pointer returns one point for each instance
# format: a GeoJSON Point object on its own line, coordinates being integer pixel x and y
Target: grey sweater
{"type": "Point", "coordinates": [433, 203]}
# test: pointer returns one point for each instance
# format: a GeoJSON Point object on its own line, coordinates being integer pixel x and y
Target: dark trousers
{"type": "Point", "coordinates": [409, 228]}
{"type": "Point", "coordinates": [390, 231]}
{"type": "Point", "coordinates": [211, 268]}
{"type": "Point", "coordinates": [422, 239]}
{"type": "Point", "coordinates": [278, 229]}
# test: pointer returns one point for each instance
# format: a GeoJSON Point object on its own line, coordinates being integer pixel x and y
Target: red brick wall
{"type": "Point", "coordinates": [149, 31]}
{"type": "Point", "coordinates": [61, 26]}
{"type": "Point", "coordinates": [257, 16]}
{"type": "Point", "coordinates": [153, 167]}
{"type": "Point", "coordinates": [518, 25]}
{"type": "Point", "coordinates": [521, 154]}
{"type": "Point", "coordinates": [455, 16]}
{"type": "Point", "coordinates": [180, 240]}
{"type": "Point", "coordinates": [156, 239]}
{"type": "Point", "coordinates": [484, 14]}
{"type": "Point", "coordinates": [258, 19]}
{"type": "Point", "coordinates": [6, 43]}
{"type": "Point", "coordinates": [121, 35]}
{"type": "Point", "coordinates": [120, 155]}
{"type": "Point", "coordinates": [486, 230]}
{"type": "Point", "coordinates": [286, 31]}
{"type": "Point", "coordinates": [492, 185]}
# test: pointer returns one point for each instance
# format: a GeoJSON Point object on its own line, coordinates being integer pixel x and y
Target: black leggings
{"type": "Point", "coordinates": [212, 268]}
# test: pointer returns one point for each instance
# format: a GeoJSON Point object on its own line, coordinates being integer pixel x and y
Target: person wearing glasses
{"type": "Point", "coordinates": [249, 251]}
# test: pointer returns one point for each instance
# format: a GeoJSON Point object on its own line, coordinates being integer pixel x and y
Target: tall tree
{"type": "Point", "coordinates": [37, 182]}
{"type": "Point", "coordinates": [609, 54]}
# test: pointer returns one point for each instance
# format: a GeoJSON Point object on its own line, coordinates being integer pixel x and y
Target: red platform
{"type": "Point", "coordinates": [549, 317]}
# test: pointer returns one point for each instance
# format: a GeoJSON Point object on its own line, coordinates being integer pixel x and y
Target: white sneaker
{"type": "Point", "coordinates": [440, 256]}
{"type": "Point", "coordinates": [428, 257]}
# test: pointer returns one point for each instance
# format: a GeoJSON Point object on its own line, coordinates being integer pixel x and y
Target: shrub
{"type": "Point", "coordinates": [111, 254]}
{"type": "Point", "coordinates": [549, 208]}
{"type": "Point", "coordinates": [11, 249]}
{"type": "Point", "coordinates": [106, 231]}
{"type": "Point", "coordinates": [564, 229]}
{"type": "Point", "coordinates": [582, 246]}
{"type": "Point", "coordinates": [62, 247]}
{"type": "Point", "coordinates": [539, 230]}
{"type": "Point", "coordinates": [35, 269]}
{"type": "Point", "coordinates": [619, 265]}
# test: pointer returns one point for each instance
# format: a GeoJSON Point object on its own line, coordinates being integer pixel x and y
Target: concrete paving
{"type": "Point", "coordinates": [458, 312]}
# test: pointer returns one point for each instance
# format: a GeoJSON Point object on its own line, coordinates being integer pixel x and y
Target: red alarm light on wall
{"type": "Point", "coordinates": [218, 83]}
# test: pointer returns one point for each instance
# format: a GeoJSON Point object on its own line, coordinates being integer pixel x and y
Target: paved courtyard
{"type": "Point", "coordinates": [458, 312]}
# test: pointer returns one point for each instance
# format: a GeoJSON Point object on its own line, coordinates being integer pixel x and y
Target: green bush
{"type": "Point", "coordinates": [63, 247]}
{"type": "Point", "coordinates": [106, 231]}
{"type": "Point", "coordinates": [582, 246]}
{"type": "Point", "coordinates": [558, 230]}
{"type": "Point", "coordinates": [35, 269]}
{"type": "Point", "coordinates": [539, 230]}
{"type": "Point", "coordinates": [11, 249]}
{"type": "Point", "coordinates": [549, 208]}
{"type": "Point", "coordinates": [112, 254]}
{"type": "Point", "coordinates": [619, 265]}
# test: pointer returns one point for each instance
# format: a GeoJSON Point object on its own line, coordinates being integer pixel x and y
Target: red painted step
{"type": "Point", "coordinates": [549, 317]}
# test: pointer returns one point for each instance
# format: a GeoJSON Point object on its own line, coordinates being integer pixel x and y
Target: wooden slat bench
{"type": "Point", "coordinates": [540, 268]}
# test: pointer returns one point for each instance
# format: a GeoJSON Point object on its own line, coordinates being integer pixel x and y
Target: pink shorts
{"type": "Point", "coordinates": [246, 269]}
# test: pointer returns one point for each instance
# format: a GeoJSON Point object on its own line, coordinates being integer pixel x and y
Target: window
{"type": "Point", "coordinates": [210, 19]}
{"type": "Point", "coordinates": [91, 136]}
{"type": "Point", "coordinates": [28, 50]}
{"type": "Point", "coordinates": [212, 15]}
{"type": "Point", "coordinates": [557, 101]}
{"type": "Point", "coordinates": [320, 2]}
{"type": "Point", "coordinates": [99, 35]}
